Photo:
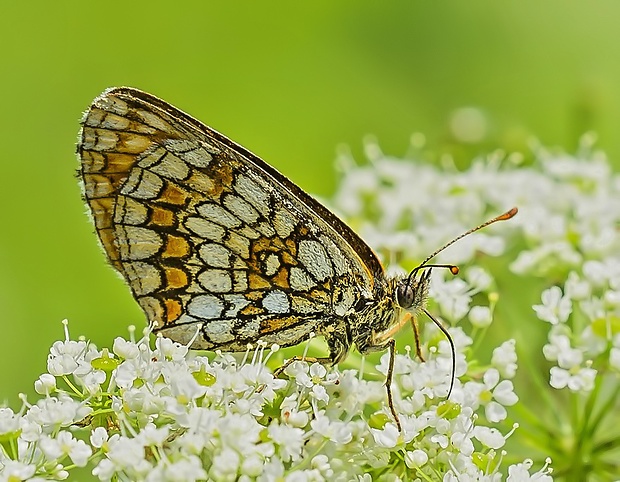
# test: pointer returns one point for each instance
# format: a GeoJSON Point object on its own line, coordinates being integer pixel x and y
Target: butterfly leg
{"type": "Point", "coordinates": [416, 336]}
{"type": "Point", "coordinates": [309, 359]}
{"type": "Point", "coordinates": [338, 340]}
{"type": "Point", "coordinates": [388, 382]}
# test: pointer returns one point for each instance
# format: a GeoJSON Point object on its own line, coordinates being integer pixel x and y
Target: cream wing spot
{"type": "Point", "coordinates": [248, 232]}
{"type": "Point", "coordinates": [302, 305]}
{"type": "Point", "coordinates": [284, 222]}
{"type": "Point", "coordinates": [205, 229]}
{"type": "Point", "coordinates": [276, 301]}
{"type": "Point", "coordinates": [314, 257]}
{"type": "Point", "coordinates": [339, 261]}
{"type": "Point", "coordinates": [153, 120]}
{"type": "Point", "coordinates": [343, 300]}
{"type": "Point", "coordinates": [218, 214]}
{"type": "Point", "coordinates": [215, 280]}
{"type": "Point", "coordinates": [200, 182]}
{"type": "Point", "coordinates": [128, 211]}
{"type": "Point", "coordinates": [253, 194]}
{"type": "Point", "coordinates": [112, 104]}
{"type": "Point", "coordinates": [272, 264]}
{"type": "Point", "coordinates": [300, 280]}
{"type": "Point", "coordinates": [215, 255]}
{"type": "Point", "coordinates": [192, 152]}
{"type": "Point", "coordinates": [241, 209]}
{"type": "Point", "coordinates": [218, 331]}
{"type": "Point", "coordinates": [235, 303]}
{"type": "Point", "coordinates": [135, 243]}
{"type": "Point", "coordinates": [205, 307]}
{"type": "Point", "coordinates": [142, 184]}
{"type": "Point", "coordinates": [106, 120]}
{"type": "Point", "coordinates": [199, 157]}
{"type": "Point", "coordinates": [144, 278]}
{"type": "Point", "coordinates": [265, 229]}
{"type": "Point", "coordinates": [240, 281]}
{"type": "Point", "coordinates": [133, 143]}
{"type": "Point", "coordinates": [249, 330]}
{"type": "Point", "coordinates": [99, 139]}
{"type": "Point", "coordinates": [165, 164]}
{"type": "Point", "coordinates": [239, 245]}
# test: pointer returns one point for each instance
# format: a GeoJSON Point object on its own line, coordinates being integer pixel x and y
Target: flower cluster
{"type": "Point", "coordinates": [162, 412]}
{"type": "Point", "coordinates": [566, 237]}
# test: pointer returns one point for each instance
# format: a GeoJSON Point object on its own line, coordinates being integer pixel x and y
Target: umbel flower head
{"type": "Point", "coordinates": [154, 410]}
{"type": "Point", "coordinates": [165, 413]}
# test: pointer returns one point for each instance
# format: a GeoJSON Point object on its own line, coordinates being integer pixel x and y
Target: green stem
{"type": "Point", "coordinates": [604, 410]}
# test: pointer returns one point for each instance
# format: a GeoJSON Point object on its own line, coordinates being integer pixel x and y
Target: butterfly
{"type": "Point", "coordinates": [220, 250]}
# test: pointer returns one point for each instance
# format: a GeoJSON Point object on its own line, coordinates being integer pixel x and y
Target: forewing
{"type": "Point", "coordinates": [209, 237]}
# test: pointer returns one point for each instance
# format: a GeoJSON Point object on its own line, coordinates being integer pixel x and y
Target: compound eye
{"type": "Point", "coordinates": [404, 295]}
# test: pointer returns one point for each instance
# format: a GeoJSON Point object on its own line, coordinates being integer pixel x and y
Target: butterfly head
{"type": "Point", "coordinates": [412, 291]}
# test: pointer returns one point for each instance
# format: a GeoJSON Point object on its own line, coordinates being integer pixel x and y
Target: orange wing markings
{"type": "Point", "coordinates": [276, 324]}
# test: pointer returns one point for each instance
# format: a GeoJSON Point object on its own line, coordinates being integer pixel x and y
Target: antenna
{"type": "Point", "coordinates": [502, 217]}
{"type": "Point", "coordinates": [454, 269]}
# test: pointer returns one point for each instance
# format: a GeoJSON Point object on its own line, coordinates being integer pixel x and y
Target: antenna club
{"type": "Point", "coordinates": [454, 270]}
{"type": "Point", "coordinates": [508, 214]}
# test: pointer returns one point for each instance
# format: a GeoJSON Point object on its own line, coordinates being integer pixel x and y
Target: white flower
{"type": "Point", "coordinates": [14, 471]}
{"type": "Point", "coordinates": [9, 422]}
{"type": "Point", "coordinates": [252, 465]}
{"type": "Point", "coordinates": [273, 470]}
{"type": "Point", "coordinates": [169, 350]}
{"type": "Point", "coordinates": [124, 455]}
{"type": "Point", "coordinates": [77, 450]}
{"type": "Point", "coordinates": [478, 278]}
{"type": "Point", "coordinates": [555, 308]}
{"type": "Point", "coordinates": [453, 297]}
{"type": "Point", "coordinates": [125, 349]}
{"type": "Point", "coordinates": [187, 469]}
{"type": "Point", "coordinates": [505, 359]}
{"type": "Point", "coordinates": [55, 412]}
{"type": "Point", "coordinates": [334, 430]}
{"type": "Point", "coordinates": [576, 379]}
{"type": "Point", "coordinates": [225, 465]}
{"type": "Point", "coordinates": [495, 394]}
{"type": "Point", "coordinates": [521, 473]}
{"type": "Point", "coordinates": [64, 357]}
{"type": "Point", "coordinates": [560, 350]}
{"type": "Point", "coordinates": [386, 437]}
{"type": "Point", "coordinates": [321, 463]}
{"type": "Point", "coordinates": [151, 435]}
{"type": "Point", "coordinates": [182, 383]}
{"type": "Point", "coordinates": [415, 458]}
{"type": "Point", "coordinates": [576, 288]}
{"type": "Point", "coordinates": [176, 415]}
{"type": "Point", "coordinates": [290, 441]}
{"type": "Point", "coordinates": [480, 316]}
{"type": "Point", "coordinates": [98, 437]}
{"type": "Point", "coordinates": [46, 384]}
{"type": "Point", "coordinates": [92, 380]}
{"type": "Point", "coordinates": [490, 437]}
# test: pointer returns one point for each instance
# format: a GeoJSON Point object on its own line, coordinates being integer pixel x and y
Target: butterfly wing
{"type": "Point", "coordinates": [208, 236]}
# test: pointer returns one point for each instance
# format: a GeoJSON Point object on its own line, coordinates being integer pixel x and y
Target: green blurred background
{"type": "Point", "coordinates": [289, 80]}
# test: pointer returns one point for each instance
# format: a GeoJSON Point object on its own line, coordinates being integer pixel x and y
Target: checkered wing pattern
{"type": "Point", "coordinates": [209, 237]}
